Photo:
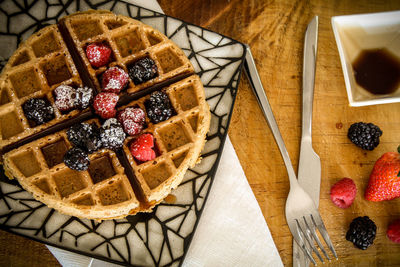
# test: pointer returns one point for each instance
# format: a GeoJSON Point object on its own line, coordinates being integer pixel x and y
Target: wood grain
{"type": "Point", "coordinates": [275, 32]}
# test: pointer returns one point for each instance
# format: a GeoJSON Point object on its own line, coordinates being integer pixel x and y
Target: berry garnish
{"type": "Point", "coordinates": [159, 107]}
{"type": "Point", "coordinates": [85, 136]}
{"type": "Point", "coordinates": [65, 98]}
{"type": "Point", "coordinates": [143, 70]}
{"type": "Point", "coordinates": [76, 159]}
{"type": "Point", "coordinates": [362, 232]}
{"type": "Point", "coordinates": [68, 98]}
{"type": "Point", "coordinates": [343, 193]}
{"type": "Point", "coordinates": [84, 96]}
{"type": "Point", "coordinates": [38, 110]}
{"type": "Point", "coordinates": [98, 54]}
{"type": "Point", "coordinates": [384, 181]}
{"type": "Point", "coordinates": [142, 148]}
{"type": "Point", "coordinates": [393, 231]}
{"type": "Point", "coordinates": [104, 105]}
{"type": "Point", "coordinates": [364, 135]}
{"type": "Point", "coordinates": [112, 134]}
{"type": "Point", "coordinates": [114, 80]}
{"type": "Point", "coordinates": [132, 119]}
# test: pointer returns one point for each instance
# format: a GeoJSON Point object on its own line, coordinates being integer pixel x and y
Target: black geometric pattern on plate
{"type": "Point", "coordinates": [163, 236]}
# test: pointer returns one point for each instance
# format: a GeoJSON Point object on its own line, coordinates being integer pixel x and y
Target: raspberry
{"type": "Point", "coordinates": [393, 231]}
{"type": "Point", "coordinates": [114, 80]}
{"type": "Point", "coordinates": [98, 54]}
{"type": "Point", "coordinates": [76, 159]}
{"type": "Point", "coordinates": [142, 148]}
{"type": "Point", "coordinates": [132, 119]}
{"type": "Point", "coordinates": [143, 70]}
{"type": "Point", "coordinates": [38, 110]}
{"type": "Point", "coordinates": [343, 193]}
{"type": "Point", "coordinates": [112, 134]}
{"type": "Point", "coordinates": [104, 105]}
{"type": "Point", "coordinates": [65, 98]}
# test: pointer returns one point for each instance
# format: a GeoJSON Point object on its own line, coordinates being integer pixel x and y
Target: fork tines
{"type": "Point", "coordinates": [306, 230]}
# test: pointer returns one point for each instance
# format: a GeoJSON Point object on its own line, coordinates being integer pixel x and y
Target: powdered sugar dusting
{"type": "Point", "coordinates": [85, 96]}
{"type": "Point", "coordinates": [98, 54]}
{"type": "Point", "coordinates": [114, 80]}
{"type": "Point", "coordinates": [109, 122]}
{"type": "Point", "coordinates": [65, 97]}
{"type": "Point", "coordinates": [104, 105]}
{"type": "Point", "coordinates": [68, 98]}
{"type": "Point", "coordinates": [111, 134]}
{"type": "Point", "coordinates": [133, 120]}
{"type": "Point", "coordinates": [112, 84]}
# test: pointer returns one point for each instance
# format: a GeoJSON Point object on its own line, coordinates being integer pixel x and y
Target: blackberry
{"type": "Point", "coordinates": [159, 107]}
{"type": "Point", "coordinates": [84, 97]}
{"type": "Point", "coordinates": [362, 232]}
{"type": "Point", "coordinates": [143, 70]}
{"type": "Point", "coordinates": [364, 135]}
{"type": "Point", "coordinates": [38, 110]}
{"type": "Point", "coordinates": [76, 159]}
{"type": "Point", "coordinates": [112, 134]}
{"type": "Point", "coordinates": [85, 136]}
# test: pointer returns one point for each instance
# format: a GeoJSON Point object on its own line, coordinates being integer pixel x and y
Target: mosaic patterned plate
{"type": "Point", "coordinates": [163, 236]}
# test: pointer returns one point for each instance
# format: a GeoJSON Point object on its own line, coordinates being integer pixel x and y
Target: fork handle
{"type": "Point", "coordinates": [262, 99]}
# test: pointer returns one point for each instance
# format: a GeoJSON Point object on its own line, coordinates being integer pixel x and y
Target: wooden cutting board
{"type": "Point", "coordinates": [275, 32]}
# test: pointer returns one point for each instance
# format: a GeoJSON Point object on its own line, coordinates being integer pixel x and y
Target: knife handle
{"type": "Point", "coordinates": [308, 88]}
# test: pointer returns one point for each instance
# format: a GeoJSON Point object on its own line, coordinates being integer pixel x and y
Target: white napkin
{"type": "Point", "coordinates": [232, 230]}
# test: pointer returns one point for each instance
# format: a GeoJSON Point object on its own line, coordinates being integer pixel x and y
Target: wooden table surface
{"type": "Point", "coordinates": [275, 32]}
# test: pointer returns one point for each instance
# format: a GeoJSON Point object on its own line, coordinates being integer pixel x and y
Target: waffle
{"type": "Point", "coordinates": [40, 64]}
{"type": "Point", "coordinates": [130, 40]}
{"type": "Point", "coordinates": [116, 185]}
{"type": "Point", "coordinates": [101, 192]}
{"type": "Point", "coordinates": [179, 140]}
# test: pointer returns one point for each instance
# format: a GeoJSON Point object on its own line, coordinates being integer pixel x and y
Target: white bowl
{"type": "Point", "coordinates": [355, 33]}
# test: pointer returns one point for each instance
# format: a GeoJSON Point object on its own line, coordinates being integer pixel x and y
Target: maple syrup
{"type": "Point", "coordinates": [377, 71]}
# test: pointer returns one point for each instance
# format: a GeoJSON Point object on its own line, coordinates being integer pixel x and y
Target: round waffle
{"type": "Point", "coordinates": [115, 185]}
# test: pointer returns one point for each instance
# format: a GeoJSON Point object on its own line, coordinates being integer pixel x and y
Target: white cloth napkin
{"type": "Point", "coordinates": [232, 230]}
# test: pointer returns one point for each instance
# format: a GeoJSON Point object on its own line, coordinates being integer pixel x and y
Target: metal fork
{"type": "Point", "coordinates": [302, 215]}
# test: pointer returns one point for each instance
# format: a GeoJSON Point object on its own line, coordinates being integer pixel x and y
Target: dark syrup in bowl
{"type": "Point", "coordinates": [377, 71]}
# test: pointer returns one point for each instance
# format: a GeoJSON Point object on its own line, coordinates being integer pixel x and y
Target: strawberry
{"type": "Point", "coordinates": [142, 147]}
{"type": "Point", "coordinates": [104, 105]}
{"type": "Point", "coordinates": [132, 119]}
{"type": "Point", "coordinates": [98, 54]}
{"type": "Point", "coordinates": [384, 181]}
{"type": "Point", "coordinates": [343, 193]}
{"type": "Point", "coordinates": [114, 80]}
{"type": "Point", "coordinates": [393, 231]}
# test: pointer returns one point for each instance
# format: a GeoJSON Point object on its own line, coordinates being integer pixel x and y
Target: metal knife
{"type": "Point", "coordinates": [309, 172]}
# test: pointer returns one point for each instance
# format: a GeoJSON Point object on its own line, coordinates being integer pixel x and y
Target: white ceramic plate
{"type": "Point", "coordinates": [163, 236]}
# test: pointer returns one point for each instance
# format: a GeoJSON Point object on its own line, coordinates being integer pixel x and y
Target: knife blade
{"type": "Point", "coordinates": [309, 171]}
